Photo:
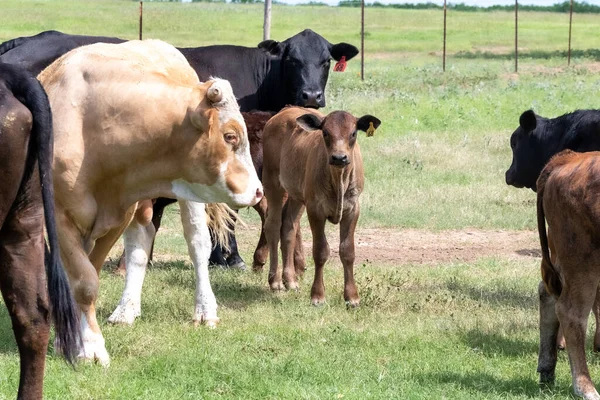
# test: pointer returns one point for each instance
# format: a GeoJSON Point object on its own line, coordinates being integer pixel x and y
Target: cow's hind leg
{"type": "Point", "coordinates": [548, 336]}
{"type": "Point", "coordinates": [573, 309]}
{"type": "Point", "coordinates": [23, 285]}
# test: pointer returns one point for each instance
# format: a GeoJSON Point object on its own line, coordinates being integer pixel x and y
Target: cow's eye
{"type": "Point", "coordinates": [231, 138]}
{"type": "Point", "coordinates": [353, 134]}
{"type": "Point", "coordinates": [325, 134]}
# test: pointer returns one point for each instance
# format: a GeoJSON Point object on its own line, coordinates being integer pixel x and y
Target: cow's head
{"type": "Point", "coordinates": [305, 62]}
{"type": "Point", "coordinates": [529, 151]}
{"type": "Point", "coordinates": [220, 169]}
{"type": "Point", "coordinates": [339, 130]}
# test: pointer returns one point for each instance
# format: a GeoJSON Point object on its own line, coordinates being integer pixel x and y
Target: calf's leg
{"type": "Point", "coordinates": [347, 228]}
{"type": "Point", "coordinates": [292, 212]}
{"type": "Point", "coordinates": [262, 249]}
{"type": "Point", "coordinates": [596, 312]}
{"type": "Point", "coordinates": [320, 256]}
{"type": "Point", "coordinates": [272, 231]}
{"type": "Point", "coordinates": [573, 309]}
{"type": "Point", "coordinates": [548, 336]}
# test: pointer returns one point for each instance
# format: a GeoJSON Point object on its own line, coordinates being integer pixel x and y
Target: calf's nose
{"type": "Point", "coordinates": [339, 159]}
{"type": "Point", "coordinates": [259, 194]}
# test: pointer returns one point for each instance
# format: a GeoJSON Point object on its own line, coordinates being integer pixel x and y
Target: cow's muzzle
{"type": "Point", "coordinates": [339, 160]}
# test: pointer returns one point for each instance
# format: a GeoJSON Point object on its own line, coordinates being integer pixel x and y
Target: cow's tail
{"type": "Point", "coordinates": [221, 220]}
{"type": "Point", "coordinates": [550, 275]}
{"type": "Point", "coordinates": [65, 312]}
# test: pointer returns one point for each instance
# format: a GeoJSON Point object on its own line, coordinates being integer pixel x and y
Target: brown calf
{"type": "Point", "coordinates": [31, 293]}
{"type": "Point", "coordinates": [315, 160]}
{"type": "Point", "coordinates": [568, 190]}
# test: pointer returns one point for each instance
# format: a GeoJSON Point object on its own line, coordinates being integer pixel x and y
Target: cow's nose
{"type": "Point", "coordinates": [339, 160]}
{"type": "Point", "coordinates": [509, 178]}
{"type": "Point", "coordinates": [313, 98]}
{"type": "Point", "coordinates": [259, 194]}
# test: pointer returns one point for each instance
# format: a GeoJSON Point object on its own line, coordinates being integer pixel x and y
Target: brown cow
{"type": "Point", "coordinates": [31, 293]}
{"type": "Point", "coordinates": [315, 160]}
{"type": "Point", "coordinates": [568, 190]}
{"type": "Point", "coordinates": [133, 122]}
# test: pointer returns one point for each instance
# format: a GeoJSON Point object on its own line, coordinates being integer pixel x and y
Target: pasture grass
{"type": "Point", "coordinates": [455, 331]}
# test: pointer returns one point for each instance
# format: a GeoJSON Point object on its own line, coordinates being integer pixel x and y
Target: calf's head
{"type": "Point", "coordinates": [339, 130]}
{"type": "Point", "coordinates": [220, 169]}
{"type": "Point", "coordinates": [305, 62]}
{"type": "Point", "coordinates": [529, 151]}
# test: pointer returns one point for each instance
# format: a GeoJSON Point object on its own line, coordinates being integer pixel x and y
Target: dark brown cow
{"type": "Point", "coordinates": [568, 191]}
{"type": "Point", "coordinates": [25, 157]}
{"type": "Point", "coordinates": [316, 161]}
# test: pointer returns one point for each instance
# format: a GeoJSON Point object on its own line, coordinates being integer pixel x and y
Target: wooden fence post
{"type": "Point", "coordinates": [267, 21]}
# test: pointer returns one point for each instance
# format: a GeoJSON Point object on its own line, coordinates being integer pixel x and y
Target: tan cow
{"type": "Point", "coordinates": [316, 161]}
{"type": "Point", "coordinates": [133, 122]}
{"type": "Point", "coordinates": [568, 199]}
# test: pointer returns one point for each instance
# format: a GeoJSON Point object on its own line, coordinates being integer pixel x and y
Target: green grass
{"type": "Point", "coordinates": [455, 331]}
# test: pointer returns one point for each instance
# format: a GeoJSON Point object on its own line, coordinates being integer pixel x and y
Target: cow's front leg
{"type": "Point", "coordinates": [292, 211]}
{"type": "Point", "coordinates": [347, 228]}
{"type": "Point", "coordinates": [320, 256]}
{"type": "Point", "coordinates": [197, 236]}
{"type": "Point", "coordinates": [138, 243]}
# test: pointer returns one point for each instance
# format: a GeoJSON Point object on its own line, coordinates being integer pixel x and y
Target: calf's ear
{"type": "Point", "coordinates": [528, 121]}
{"type": "Point", "coordinates": [309, 122]}
{"type": "Point", "coordinates": [364, 122]}
{"type": "Point", "coordinates": [340, 50]}
{"type": "Point", "coordinates": [272, 46]}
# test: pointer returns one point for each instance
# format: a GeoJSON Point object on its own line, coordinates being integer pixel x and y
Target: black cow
{"type": "Point", "coordinates": [535, 142]}
{"type": "Point", "coordinates": [266, 78]}
{"type": "Point", "coordinates": [537, 139]}
{"type": "Point", "coordinates": [31, 293]}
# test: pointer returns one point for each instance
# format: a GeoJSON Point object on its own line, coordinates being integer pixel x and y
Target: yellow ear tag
{"type": "Point", "coordinates": [371, 130]}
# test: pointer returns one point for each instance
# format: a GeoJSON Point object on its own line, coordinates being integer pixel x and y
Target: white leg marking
{"type": "Point", "coordinates": [93, 344]}
{"type": "Point", "coordinates": [195, 230]}
{"type": "Point", "coordinates": [138, 241]}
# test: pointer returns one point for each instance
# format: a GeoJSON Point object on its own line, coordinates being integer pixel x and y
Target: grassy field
{"type": "Point", "coordinates": [441, 330]}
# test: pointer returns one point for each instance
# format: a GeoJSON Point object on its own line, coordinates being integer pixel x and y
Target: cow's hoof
{"type": "Point", "coordinates": [94, 351]}
{"type": "Point", "coordinates": [125, 314]}
{"type": "Point", "coordinates": [240, 266]}
{"type": "Point", "coordinates": [317, 301]}
{"type": "Point", "coordinates": [208, 322]}
{"type": "Point", "coordinates": [292, 285]}
{"type": "Point", "coordinates": [257, 267]}
{"type": "Point", "coordinates": [276, 286]}
{"type": "Point", "coordinates": [352, 303]}
{"type": "Point", "coordinates": [546, 378]}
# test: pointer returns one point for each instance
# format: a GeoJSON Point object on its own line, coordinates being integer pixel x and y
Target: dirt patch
{"type": "Point", "coordinates": [414, 246]}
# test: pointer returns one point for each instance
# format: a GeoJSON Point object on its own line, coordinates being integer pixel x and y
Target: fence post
{"type": "Point", "coordinates": [362, 40]}
{"type": "Point", "coordinates": [141, 12]}
{"type": "Point", "coordinates": [444, 52]}
{"type": "Point", "coordinates": [570, 24]}
{"type": "Point", "coordinates": [267, 21]}
{"type": "Point", "coordinates": [516, 36]}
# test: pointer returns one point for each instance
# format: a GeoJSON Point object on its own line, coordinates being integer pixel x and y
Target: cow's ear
{"type": "Point", "coordinates": [272, 46]}
{"type": "Point", "coordinates": [340, 50]}
{"type": "Point", "coordinates": [365, 122]}
{"type": "Point", "coordinates": [528, 121]}
{"type": "Point", "coordinates": [309, 122]}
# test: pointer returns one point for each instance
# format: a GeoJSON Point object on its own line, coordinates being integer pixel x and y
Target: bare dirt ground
{"type": "Point", "coordinates": [413, 246]}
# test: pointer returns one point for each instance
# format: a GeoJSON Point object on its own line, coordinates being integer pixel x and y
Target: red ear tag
{"type": "Point", "coordinates": [340, 66]}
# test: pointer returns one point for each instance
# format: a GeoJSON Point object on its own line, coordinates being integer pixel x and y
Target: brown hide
{"type": "Point", "coordinates": [568, 200]}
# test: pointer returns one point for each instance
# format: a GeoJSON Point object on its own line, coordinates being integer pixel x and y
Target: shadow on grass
{"type": "Point", "coordinates": [530, 253]}
{"type": "Point", "coordinates": [593, 54]}
{"type": "Point", "coordinates": [488, 385]}
{"type": "Point", "coordinates": [493, 344]}
{"type": "Point", "coordinates": [498, 296]}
